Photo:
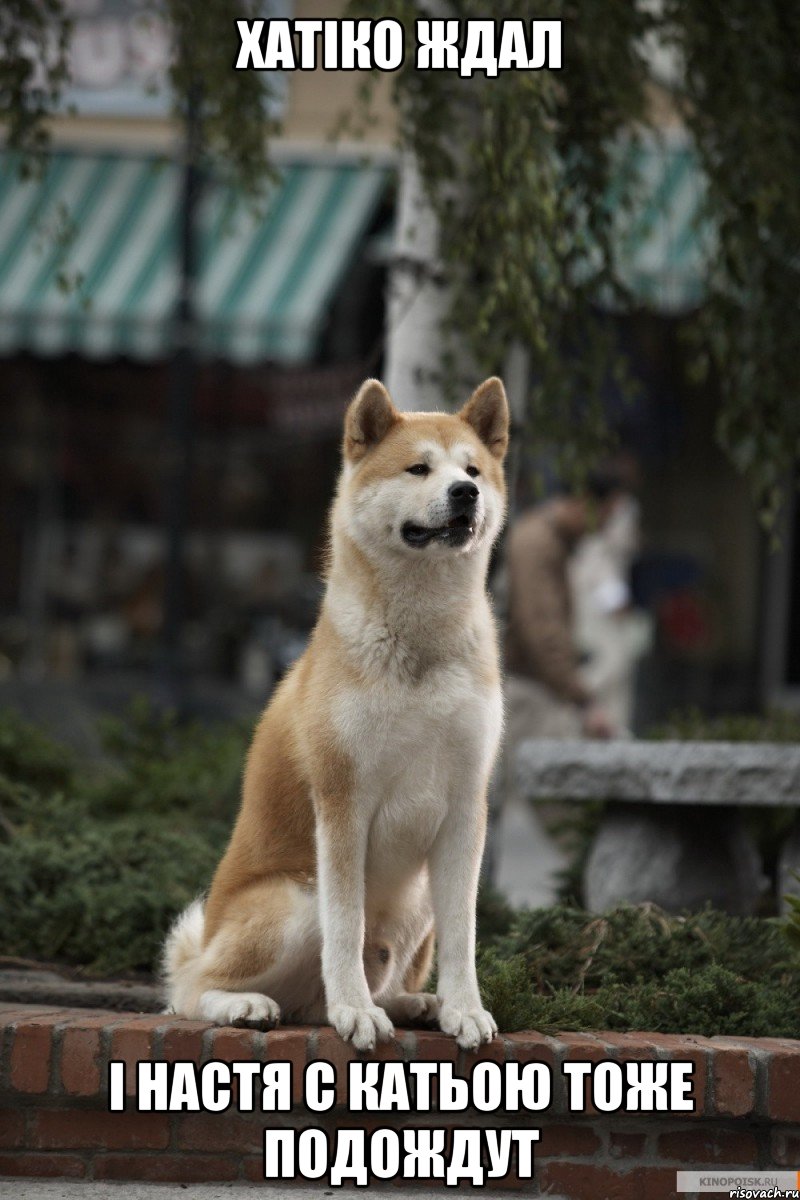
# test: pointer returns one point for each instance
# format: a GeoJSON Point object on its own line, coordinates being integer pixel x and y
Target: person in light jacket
{"type": "Point", "coordinates": [547, 695]}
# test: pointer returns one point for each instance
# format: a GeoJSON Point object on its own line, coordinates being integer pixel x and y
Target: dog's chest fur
{"type": "Point", "coordinates": [418, 737]}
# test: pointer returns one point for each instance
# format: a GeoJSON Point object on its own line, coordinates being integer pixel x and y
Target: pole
{"type": "Point", "coordinates": [182, 382]}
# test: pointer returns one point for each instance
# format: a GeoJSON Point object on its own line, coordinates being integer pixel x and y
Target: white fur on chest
{"type": "Point", "coordinates": [393, 731]}
{"type": "Point", "coordinates": [416, 750]}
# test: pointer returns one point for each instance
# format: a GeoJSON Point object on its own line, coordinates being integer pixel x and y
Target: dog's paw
{"type": "Point", "coordinates": [413, 1006]}
{"type": "Point", "coordinates": [469, 1026]}
{"type": "Point", "coordinates": [250, 1009]}
{"type": "Point", "coordinates": [361, 1026]}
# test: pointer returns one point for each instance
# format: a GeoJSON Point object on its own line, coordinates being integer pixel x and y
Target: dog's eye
{"type": "Point", "coordinates": [419, 469]}
{"type": "Point", "coordinates": [472, 471]}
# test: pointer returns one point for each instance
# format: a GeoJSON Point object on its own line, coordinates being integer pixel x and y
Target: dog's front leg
{"type": "Point", "coordinates": [454, 865]}
{"type": "Point", "coordinates": [341, 857]}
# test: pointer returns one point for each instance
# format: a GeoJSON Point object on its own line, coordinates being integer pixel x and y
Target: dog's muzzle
{"type": "Point", "coordinates": [462, 498]}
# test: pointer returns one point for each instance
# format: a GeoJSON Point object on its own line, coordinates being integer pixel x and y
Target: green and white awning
{"type": "Point", "coordinates": [88, 252]}
{"type": "Point", "coordinates": [88, 257]}
{"type": "Point", "coordinates": [663, 245]}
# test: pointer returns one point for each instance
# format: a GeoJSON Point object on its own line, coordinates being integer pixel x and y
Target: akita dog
{"type": "Point", "coordinates": [364, 799]}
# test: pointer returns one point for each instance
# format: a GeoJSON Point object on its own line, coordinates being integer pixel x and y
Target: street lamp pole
{"type": "Point", "coordinates": [182, 385]}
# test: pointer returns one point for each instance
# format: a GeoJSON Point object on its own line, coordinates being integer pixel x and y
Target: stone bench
{"type": "Point", "coordinates": [672, 832]}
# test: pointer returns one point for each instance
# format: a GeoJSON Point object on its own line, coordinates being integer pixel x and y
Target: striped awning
{"type": "Point", "coordinates": [89, 257]}
{"type": "Point", "coordinates": [663, 245]}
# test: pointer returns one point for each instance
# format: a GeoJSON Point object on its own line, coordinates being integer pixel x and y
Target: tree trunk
{"type": "Point", "coordinates": [417, 300]}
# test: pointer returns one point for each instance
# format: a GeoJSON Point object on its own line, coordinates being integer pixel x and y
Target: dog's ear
{"type": "Point", "coordinates": [369, 418]}
{"type": "Point", "coordinates": [487, 412]}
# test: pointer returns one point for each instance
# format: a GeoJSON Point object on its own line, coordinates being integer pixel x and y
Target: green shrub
{"type": "Point", "coordinates": [710, 1002]}
{"type": "Point", "coordinates": [100, 894]}
{"type": "Point", "coordinates": [692, 725]}
{"type": "Point", "coordinates": [638, 968]}
{"type": "Point", "coordinates": [30, 756]}
{"type": "Point", "coordinates": [160, 765]}
{"type": "Point", "coordinates": [792, 923]}
{"type": "Point", "coordinates": [567, 947]}
{"type": "Point", "coordinates": [96, 860]}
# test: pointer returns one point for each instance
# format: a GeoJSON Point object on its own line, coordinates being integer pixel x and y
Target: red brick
{"type": "Point", "coordinates": [92, 1018]}
{"type": "Point", "coordinates": [658, 1183]}
{"type": "Point", "coordinates": [770, 1044]}
{"type": "Point", "coordinates": [709, 1147]}
{"type": "Point", "coordinates": [290, 1045]}
{"type": "Point", "coordinates": [233, 1045]}
{"type": "Point", "coordinates": [582, 1181]}
{"type": "Point", "coordinates": [579, 1047]}
{"type": "Point", "coordinates": [626, 1145]}
{"type": "Point", "coordinates": [166, 1168]}
{"type": "Point", "coordinates": [10, 1013]}
{"type": "Point", "coordinates": [12, 1128]}
{"type": "Point", "coordinates": [40, 1166]}
{"type": "Point", "coordinates": [493, 1051]}
{"type": "Point", "coordinates": [395, 1049]}
{"type": "Point", "coordinates": [81, 1017]}
{"type": "Point", "coordinates": [333, 1049]}
{"type": "Point", "coordinates": [784, 1083]}
{"type": "Point", "coordinates": [254, 1169]}
{"type": "Point", "coordinates": [676, 1047]}
{"type": "Point", "coordinates": [432, 1047]}
{"type": "Point", "coordinates": [71, 1129]}
{"type": "Point", "coordinates": [368, 1121]}
{"type": "Point", "coordinates": [32, 1052]}
{"type": "Point", "coordinates": [680, 1048]}
{"type": "Point", "coordinates": [183, 1041]}
{"type": "Point", "coordinates": [580, 1041]}
{"type": "Point", "coordinates": [532, 1047]}
{"type": "Point", "coordinates": [631, 1045]}
{"type": "Point", "coordinates": [220, 1132]}
{"type": "Point", "coordinates": [510, 1183]}
{"type": "Point", "coordinates": [80, 1061]}
{"type": "Point", "coordinates": [143, 1021]}
{"type": "Point", "coordinates": [785, 1147]}
{"type": "Point", "coordinates": [132, 1043]}
{"type": "Point", "coordinates": [567, 1141]}
{"type": "Point", "coordinates": [734, 1083]}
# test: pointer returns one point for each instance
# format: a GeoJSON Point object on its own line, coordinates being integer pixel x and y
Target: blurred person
{"type": "Point", "coordinates": [611, 634]}
{"type": "Point", "coordinates": [547, 695]}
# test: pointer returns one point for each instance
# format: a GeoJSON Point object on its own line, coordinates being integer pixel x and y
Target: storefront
{"type": "Point", "coordinates": [288, 315]}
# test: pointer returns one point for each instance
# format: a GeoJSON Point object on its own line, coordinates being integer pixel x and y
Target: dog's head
{"type": "Point", "coordinates": [424, 484]}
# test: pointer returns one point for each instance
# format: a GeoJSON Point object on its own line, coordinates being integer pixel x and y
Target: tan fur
{"type": "Point", "coordinates": [417, 974]}
{"type": "Point", "coordinates": [304, 768]}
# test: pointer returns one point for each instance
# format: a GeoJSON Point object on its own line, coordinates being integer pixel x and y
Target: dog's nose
{"type": "Point", "coordinates": [462, 494]}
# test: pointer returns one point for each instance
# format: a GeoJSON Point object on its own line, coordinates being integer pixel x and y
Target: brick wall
{"type": "Point", "coordinates": [54, 1118]}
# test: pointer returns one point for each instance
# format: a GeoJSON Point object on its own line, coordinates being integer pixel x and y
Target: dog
{"type": "Point", "coordinates": [363, 812]}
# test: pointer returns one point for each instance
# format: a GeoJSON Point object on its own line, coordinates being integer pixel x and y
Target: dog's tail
{"type": "Point", "coordinates": [182, 950]}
